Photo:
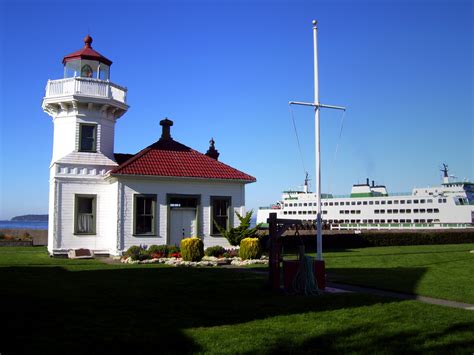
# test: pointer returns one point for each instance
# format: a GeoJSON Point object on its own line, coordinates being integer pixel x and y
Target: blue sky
{"type": "Point", "coordinates": [227, 69]}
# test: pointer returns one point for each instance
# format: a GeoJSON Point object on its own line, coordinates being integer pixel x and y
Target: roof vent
{"type": "Point", "coordinates": [212, 151]}
{"type": "Point", "coordinates": [165, 133]}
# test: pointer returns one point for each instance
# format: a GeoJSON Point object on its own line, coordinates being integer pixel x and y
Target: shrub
{"type": "Point", "coordinates": [216, 251]}
{"type": "Point", "coordinates": [158, 251]}
{"type": "Point", "coordinates": [231, 253]}
{"type": "Point", "coordinates": [172, 249]}
{"type": "Point", "coordinates": [192, 249]}
{"type": "Point", "coordinates": [137, 253]}
{"type": "Point", "coordinates": [250, 249]}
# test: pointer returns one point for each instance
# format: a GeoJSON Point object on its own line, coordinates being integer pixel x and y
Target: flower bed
{"type": "Point", "coordinates": [206, 261]}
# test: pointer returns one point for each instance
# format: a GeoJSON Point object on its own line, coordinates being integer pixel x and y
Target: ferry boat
{"type": "Point", "coordinates": [370, 206]}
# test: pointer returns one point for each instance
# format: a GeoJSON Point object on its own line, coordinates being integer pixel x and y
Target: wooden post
{"type": "Point", "coordinates": [274, 260]}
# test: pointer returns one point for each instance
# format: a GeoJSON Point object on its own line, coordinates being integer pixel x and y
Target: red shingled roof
{"type": "Point", "coordinates": [87, 53]}
{"type": "Point", "coordinates": [167, 157]}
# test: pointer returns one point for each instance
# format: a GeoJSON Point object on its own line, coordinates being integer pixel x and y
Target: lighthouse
{"type": "Point", "coordinates": [105, 201]}
{"type": "Point", "coordinates": [84, 105]}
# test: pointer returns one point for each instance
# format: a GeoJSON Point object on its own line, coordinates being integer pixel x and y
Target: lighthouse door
{"type": "Point", "coordinates": [182, 224]}
{"type": "Point", "coordinates": [183, 218]}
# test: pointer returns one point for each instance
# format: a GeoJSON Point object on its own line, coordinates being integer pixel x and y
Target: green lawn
{"type": "Point", "coordinates": [62, 306]}
{"type": "Point", "coordinates": [441, 271]}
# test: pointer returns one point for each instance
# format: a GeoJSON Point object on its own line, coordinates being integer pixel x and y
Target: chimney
{"type": "Point", "coordinates": [373, 183]}
{"type": "Point", "coordinates": [212, 151]}
{"type": "Point", "coordinates": [367, 182]}
{"type": "Point", "coordinates": [165, 133]}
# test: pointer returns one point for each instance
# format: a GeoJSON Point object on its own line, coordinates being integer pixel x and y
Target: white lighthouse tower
{"type": "Point", "coordinates": [84, 106]}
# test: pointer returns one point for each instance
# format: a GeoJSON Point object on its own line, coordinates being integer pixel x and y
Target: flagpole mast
{"type": "Point", "coordinates": [319, 242]}
{"type": "Point", "coordinates": [317, 106]}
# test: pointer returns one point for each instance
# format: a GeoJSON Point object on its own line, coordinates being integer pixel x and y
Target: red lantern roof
{"type": "Point", "coordinates": [87, 53]}
{"type": "Point", "coordinates": [168, 158]}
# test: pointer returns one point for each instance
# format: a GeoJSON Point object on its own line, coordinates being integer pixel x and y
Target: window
{"type": "Point", "coordinates": [220, 213]}
{"type": "Point", "coordinates": [389, 202]}
{"type": "Point", "coordinates": [86, 71]}
{"type": "Point", "coordinates": [305, 204]}
{"type": "Point", "coordinates": [85, 209]}
{"type": "Point", "coordinates": [144, 214]}
{"type": "Point", "coordinates": [330, 203]}
{"type": "Point", "coordinates": [377, 202]}
{"type": "Point", "coordinates": [383, 202]}
{"type": "Point", "coordinates": [87, 137]}
{"type": "Point", "coordinates": [365, 202]}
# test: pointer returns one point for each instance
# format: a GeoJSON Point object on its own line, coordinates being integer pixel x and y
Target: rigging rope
{"type": "Point", "coordinates": [297, 138]}
{"type": "Point", "coordinates": [336, 150]}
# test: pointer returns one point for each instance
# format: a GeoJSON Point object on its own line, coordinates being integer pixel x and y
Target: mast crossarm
{"type": "Point", "coordinates": [316, 105]}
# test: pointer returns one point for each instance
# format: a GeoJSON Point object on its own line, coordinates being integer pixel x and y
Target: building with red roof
{"type": "Point", "coordinates": [107, 201]}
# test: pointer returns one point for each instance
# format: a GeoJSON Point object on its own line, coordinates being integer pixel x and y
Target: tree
{"type": "Point", "coordinates": [235, 235]}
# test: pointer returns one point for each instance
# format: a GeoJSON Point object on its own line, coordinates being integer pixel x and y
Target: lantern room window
{"type": "Point", "coordinates": [86, 71]}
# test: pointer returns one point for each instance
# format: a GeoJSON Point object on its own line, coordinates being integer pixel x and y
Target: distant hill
{"type": "Point", "coordinates": [31, 218]}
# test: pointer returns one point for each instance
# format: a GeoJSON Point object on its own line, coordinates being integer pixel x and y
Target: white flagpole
{"type": "Point", "coordinates": [319, 242]}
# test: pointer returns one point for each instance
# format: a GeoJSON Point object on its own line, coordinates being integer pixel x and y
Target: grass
{"type": "Point", "coordinates": [86, 306]}
{"type": "Point", "coordinates": [440, 271]}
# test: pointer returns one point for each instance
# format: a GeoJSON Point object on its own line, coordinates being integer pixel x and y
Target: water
{"type": "Point", "coordinates": [24, 225]}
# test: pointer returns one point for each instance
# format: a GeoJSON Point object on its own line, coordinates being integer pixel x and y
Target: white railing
{"type": "Point", "coordinates": [87, 87]}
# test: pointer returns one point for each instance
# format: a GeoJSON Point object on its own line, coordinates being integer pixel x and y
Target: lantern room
{"type": "Point", "coordinates": [87, 63]}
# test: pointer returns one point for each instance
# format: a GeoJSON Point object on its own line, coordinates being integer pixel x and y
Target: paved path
{"type": "Point", "coordinates": [399, 295]}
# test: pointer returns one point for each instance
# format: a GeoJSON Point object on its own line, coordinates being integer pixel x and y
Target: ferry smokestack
{"type": "Point", "coordinates": [367, 182]}
{"type": "Point", "coordinates": [373, 183]}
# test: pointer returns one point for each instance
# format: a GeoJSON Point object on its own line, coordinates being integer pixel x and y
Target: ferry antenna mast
{"type": "Point", "coordinates": [317, 105]}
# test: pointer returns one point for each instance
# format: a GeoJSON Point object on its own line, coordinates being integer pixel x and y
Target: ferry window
{"type": "Point", "coordinates": [341, 212]}
{"type": "Point", "coordinates": [347, 203]}
{"type": "Point", "coordinates": [429, 210]}
{"type": "Point", "coordinates": [310, 204]}
{"type": "Point", "coordinates": [364, 221]}
{"type": "Point", "coordinates": [402, 202]}
{"type": "Point", "coordinates": [357, 220]}
{"type": "Point", "coordinates": [353, 203]}
{"type": "Point", "coordinates": [415, 201]}
{"type": "Point", "coordinates": [371, 202]}
{"type": "Point", "coordinates": [422, 210]}
{"type": "Point", "coordinates": [358, 211]}
{"type": "Point", "coordinates": [402, 211]}
{"type": "Point", "coordinates": [330, 203]}
{"type": "Point", "coordinates": [382, 211]}
{"type": "Point", "coordinates": [422, 221]}
{"type": "Point", "coordinates": [346, 212]}
{"type": "Point", "coordinates": [376, 211]}
{"type": "Point", "coordinates": [408, 220]}
{"type": "Point", "coordinates": [364, 203]}
{"type": "Point", "coordinates": [353, 221]}
{"type": "Point", "coordinates": [299, 204]}
{"type": "Point", "coordinates": [422, 201]}
{"type": "Point", "coordinates": [353, 211]}
{"type": "Point", "coordinates": [305, 204]}
{"type": "Point", "coordinates": [286, 205]}
{"type": "Point", "coordinates": [371, 221]}
{"type": "Point", "coordinates": [325, 212]}
{"type": "Point", "coordinates": [395, 202]}
{"type": "Point", "coordinates": [440, 200]}
{"type": "Point", "coordinates": [304, 212]}
{"type": "Point", "coordinates": [285, 212]}
{"type": "Point", "coordinates": [359, 202]}
{"type": "Point", "coordinates": [395, 221]}
{"type": "Point", "coordinates": [436, 210]}
{"type": "Point", "coordinates": [389, 202]}
{"type": "Point", "coordinates": [415, 210]}
{"type": "Point", "coordinates": [336, 203]}
{"type": "Point", "coordinates": [346, 221]}
{"type": "Point", "coordinates": [408, 211]}
{"type": "Point", "coordinates": [395, 211]}
{"type": "Point", "coordinates": [402, 221]}
{"type": "Point", "coordinates": [383, 202]}
{"type": "Point", "coordinates": [430, 201]}
{"type": "Point", "coordinates": [325, 204]}
{"type": "Point", "coordinates": [382, 221]}
{"type": "Point", "coordinates": [444, 200]}
{"type": "Point", "coordinates": [389, 221]}
{"type": "Point", "coordinates": [377, 221]}
{"type": "Point", "coordinates": [389, 211]}
{"type": "Point", "coordinates": [377, 202]}
{"type": "Point", "coordinates": [416, 220]}
{"type": "Point", "coordinates": [408, 201]}
{"type": "Point", "coordinates": [299, 212]}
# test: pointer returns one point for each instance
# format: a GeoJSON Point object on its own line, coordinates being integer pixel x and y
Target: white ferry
{"type": "Point", "coordinates": [369, 206]}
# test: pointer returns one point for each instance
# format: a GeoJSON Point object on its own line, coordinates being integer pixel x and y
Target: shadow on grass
{"type": "Point", "coordinates": [403, 279]}
{"type": "Point", "coordinates": [50, 309]}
